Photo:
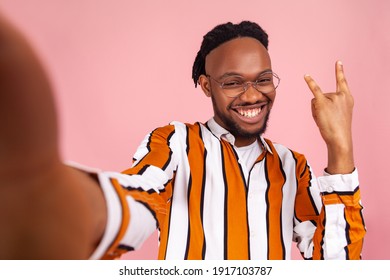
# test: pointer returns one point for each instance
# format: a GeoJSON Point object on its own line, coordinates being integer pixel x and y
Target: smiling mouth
{"type": "Point", "coordinates": [251, 111]}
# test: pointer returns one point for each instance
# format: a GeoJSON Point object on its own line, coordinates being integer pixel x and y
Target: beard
{"type": "Point", "coordinates": [235, 129]}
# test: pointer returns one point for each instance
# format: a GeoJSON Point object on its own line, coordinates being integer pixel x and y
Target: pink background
{"type": "Point", "coordinates": [121, 68]}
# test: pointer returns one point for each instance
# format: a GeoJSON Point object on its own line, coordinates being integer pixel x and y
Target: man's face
{"type": "Point", "coordinates": [244, 116]}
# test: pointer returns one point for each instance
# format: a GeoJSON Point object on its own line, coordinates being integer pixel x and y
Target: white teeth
{"type": "Point", "coordinates": [251, 113]}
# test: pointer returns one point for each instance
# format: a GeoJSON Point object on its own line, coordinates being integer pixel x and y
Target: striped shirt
{"type": "Point", "coordinates": [189, 182]}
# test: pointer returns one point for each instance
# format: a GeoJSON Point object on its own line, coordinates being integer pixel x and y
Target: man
{"type": "Point", "coordinates": [217, 190]}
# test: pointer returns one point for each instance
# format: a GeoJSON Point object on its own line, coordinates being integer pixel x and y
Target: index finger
{"type": "Point", "coordinates": [341, 81]}
{"type": "Point", "coordinates": [313, 86]}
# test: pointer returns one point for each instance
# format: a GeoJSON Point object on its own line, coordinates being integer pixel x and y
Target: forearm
{"type": "Point", "coordinates": [57, 214]}
{"type": "Point", "coordinates": [340, 157]}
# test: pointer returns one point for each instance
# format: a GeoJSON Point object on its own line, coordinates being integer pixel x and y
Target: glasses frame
{"type": "Point", "coordinates": [246, 84]}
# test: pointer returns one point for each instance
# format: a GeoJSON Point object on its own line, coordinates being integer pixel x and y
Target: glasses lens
{"type": "Point", "coordinates": [233, 86]}
{"type": "Point", "coordinates": [267, 83]}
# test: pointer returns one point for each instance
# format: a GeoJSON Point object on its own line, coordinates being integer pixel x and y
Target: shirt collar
{"type": "Point", "coordinates": [222, 133]}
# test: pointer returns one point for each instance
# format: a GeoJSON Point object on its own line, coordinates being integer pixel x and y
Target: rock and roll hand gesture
{"type": "Point", "coordinates": [332, 113]}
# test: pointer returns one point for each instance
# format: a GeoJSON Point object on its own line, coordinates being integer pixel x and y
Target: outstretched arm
{"type": "Point", "coordinates": [332, 113]}
{"type": "Point", "coordinates": [49, 211]}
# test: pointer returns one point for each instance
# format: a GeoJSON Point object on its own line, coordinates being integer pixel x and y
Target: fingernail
{"type": "Point", "coordinates": [340, 63]}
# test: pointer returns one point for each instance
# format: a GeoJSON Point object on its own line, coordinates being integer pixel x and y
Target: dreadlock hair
{"type": "Point", "coordinates": [221, 34]}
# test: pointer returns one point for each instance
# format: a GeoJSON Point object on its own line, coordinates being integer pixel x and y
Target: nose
{"type": "Point", "coordinates": [250, 92]}
{"type": "Point", "coordinates": [247, 84]}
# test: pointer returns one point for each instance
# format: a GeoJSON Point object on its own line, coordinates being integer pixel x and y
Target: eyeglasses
{"type": "Point", "coordinates": [234, 86]}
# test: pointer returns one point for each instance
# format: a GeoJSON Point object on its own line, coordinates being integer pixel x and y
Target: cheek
{"type": "Point", "coordinates": [272, 99]}
{"type": "Point", "coordinates": [220, 101]}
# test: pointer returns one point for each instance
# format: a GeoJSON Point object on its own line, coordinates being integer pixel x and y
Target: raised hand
{"type": "Point", "coordinates": [332, 113]}
{"type": "Point", "coordinates": [48, 210]}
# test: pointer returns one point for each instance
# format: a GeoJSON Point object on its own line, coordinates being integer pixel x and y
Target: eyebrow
{"type": "Point", "coordinates": [231, 74]}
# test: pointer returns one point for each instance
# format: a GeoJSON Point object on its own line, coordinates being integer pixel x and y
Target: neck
{"type": "Point", "coordinates": [242, 142]}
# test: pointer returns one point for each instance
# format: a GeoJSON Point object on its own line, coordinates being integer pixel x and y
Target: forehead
{"type": "Point", "coordinates": [245, 56]}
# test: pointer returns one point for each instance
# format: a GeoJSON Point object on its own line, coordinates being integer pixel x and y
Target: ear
{"type": "Point", "coordinates": [204, 83]}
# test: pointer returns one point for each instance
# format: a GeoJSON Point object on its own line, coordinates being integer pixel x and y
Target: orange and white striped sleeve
{"type": "Point", "coordinates": [136, 199]}
{"type": "Point", "coordinates": [341, 230]}
{"type": "Point", "coordinates": [328, 219]}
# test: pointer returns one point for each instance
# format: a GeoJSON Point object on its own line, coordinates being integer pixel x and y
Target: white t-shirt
{"type": "Point", "coordinates": [249, 154]}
